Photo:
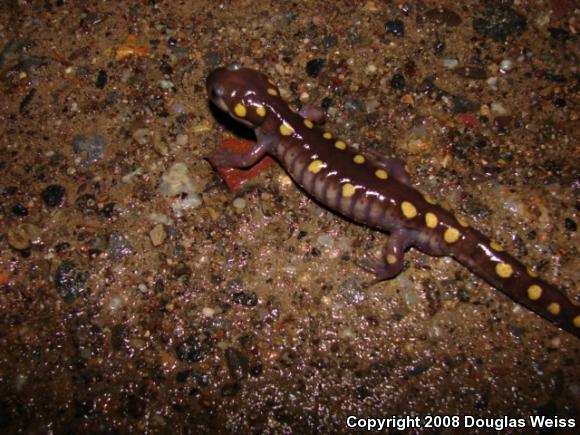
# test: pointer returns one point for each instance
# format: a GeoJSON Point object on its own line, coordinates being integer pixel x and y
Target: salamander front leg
{"type": "Point", "coordinates": [393, 254]}
{"type": "Point", "coordinates": [394, 166]}
{"type": "Point", "coordinates": [224, 158]}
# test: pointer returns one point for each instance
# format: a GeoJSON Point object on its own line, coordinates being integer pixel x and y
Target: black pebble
{"type": "Point", "coordinates": [570, 224]}
{"type": "Point", "coordinates": [559, 103]}
{"type": "Point", "coordinates": [561, 35]}
{"type": "Point", "coordinates": [245, 299]}
{"type": "Point", "coordinates": [20, 210]}
{"type": "Point", "coordinates": [70, 281]}
{"type": "Point", "coordinates": [256, 370]}
{"type": "Point", "coordinates": [101, 79]}
{"type": "Point", "coordinates": [398, 82]}
{"type": "Point", "coordinates": [326, 103]}
{"type": "Point", "coordinates": [396, 27]}
{"type": "Point", "coordinates": [314, 66]}
{"type": "Point", "coordinates": [53, 195]}
{"type": "Point", "coordinates": [329, 41]}
{"type": "Point", "coordinates": [190, 350]}
{"type": "Point", "coordinates": [10, 190]}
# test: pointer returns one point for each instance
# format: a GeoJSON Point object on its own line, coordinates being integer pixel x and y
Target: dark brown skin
{"type": "Point", "coordinates": [375, 192]}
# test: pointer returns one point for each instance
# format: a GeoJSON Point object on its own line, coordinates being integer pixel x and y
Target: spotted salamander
{"type": "Point", "coordinates": [376, 192]}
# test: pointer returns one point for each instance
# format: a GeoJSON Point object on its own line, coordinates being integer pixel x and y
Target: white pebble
{"type": "Point", "coordinates": [498, 109]}
{"type": "Point", "coordinates": [450, 63]}
{"type": "Point", "coordinates": [371, 69]}
{"type": "Point", "coordinates": [181, 139]}
{"type": "Point", "coordinates": [115, 303]}
{"type": "Point", "coordinates": [325, 241]}
{"type": "Point", "coordinates": [166, 84]}
{"type": "Point", "coordinates": [492, 82]}
{"type": "Point", "coordinates": [208, 312]}
{"type": "Point", "coordinates": [506, 66]}
{"type": "Point", "coordinates": [239, 203]}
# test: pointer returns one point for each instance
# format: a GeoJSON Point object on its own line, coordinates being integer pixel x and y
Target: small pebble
{"type": "Point", "coordinates": [208, 312]}
{"type": "Point", "coordinates": [115, 303]}
{"type": "Point", "coordinates": [443, 16]}
{"type": "Point", "coordinates": [166, 84]}
{"type": "Point", "coordinates": [19, 210]}
{"type": "Point", "coordinates": [118, 246]}
{"type": "Point", "coordinates": [181, 139]}
{"type": "Point", "coordinates": [23, 236]}
{"type": "Point", "coordinates": [70, 281]}
{"type": "Point", "coordinates": [395, 27]}
{"type": "Point", "coordinates": [329, 41]}
{"type": "Point", "coordinates": [570, 224]}
{"type": "Point", "coordinates": [157, 235]}
{"type": "Point", "coordinates": [506, 66]}
{"type": "Point", "coordinates": [53, 195]}
{"type": "Point", "coordinates": [101, 79]}
{"type": "Point", "coordinates": [498, 109]}
{"type": "Point", "coordinates": [89, 149]}
{"type": "Point", "coordinates": [325, 241]}
{"type": "Point", "coordinates": [314, 66]}
{"type": "Point", "coordinates": [450, 63]}
{"type": "Point", "coordinates": [398, 82]}
{"type": "Point", "coordinates": [371, 69]}
{"type": "Point", "coordinates": [239, 203]}
{"type": "Point", "coordinates": [141, 135]}
{"type": "Point", "coordinates": [559, 103]}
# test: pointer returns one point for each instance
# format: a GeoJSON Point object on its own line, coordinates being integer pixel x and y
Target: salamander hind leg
{"type": "Point", "coordinates": [313, 113]}
{"type": "Point", "coordinates": [393, 255]}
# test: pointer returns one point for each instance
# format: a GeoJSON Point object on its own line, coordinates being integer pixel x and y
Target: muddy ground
{"type": "Point", "coordinates": [138, 294]}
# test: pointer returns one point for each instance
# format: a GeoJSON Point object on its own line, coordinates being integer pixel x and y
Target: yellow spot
{"type": "Point", "coordinates": [327, 135]}
{"type": "Point", "coordinates": [451, 235]}
{"type": "Point", "coordinates": [430, 200]}
{"type": "Point", "coordinates": [359, 159]}
{"type": "Point", "coordinates": [315, 166]}
{"type": "Point", "coordinates": [532, 273]}
{"type": "Point", "coordinates": [534, 292]}
{"type": "Point", "coordinates": [340, 144]}
{"type": "Point", "coordinates": [461, 221]}
{"type": "Point", "coordinates": [285, 129]}
{"type": "Point", "coordinates": [382, 174]}
{"type": "Point", "coordinates": [431, 220]}
{"type": "Point", "coordinates": [308, 123]}
{"type": "Point", "coordinates": [554, 308]}
{"type": "Point", "coordinates": [272, 82]}
{"type": "Point", "coordinates": [347, 190]}
{"type": "Point", "coordinates": [504, 270]}
{"type": "Point", "coordinates": [391, 259]}
{"type": "Point", "coordinates": [272, 92]}
{"type": "Point", "coordinates": [496, 247]}
{"type": "Point", "coordinates": [408, 210]}
{"type": "Point", "coordinates": [240, 110]}
{"type": "Point", "coordinates": [261, 111]}
{"type": "Point", "coordinates": [577, 321]}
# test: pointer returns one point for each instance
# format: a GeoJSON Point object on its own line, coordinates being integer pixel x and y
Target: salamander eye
{"type": "Point", "coordinates": [216, 91]}
{"type": "Point", "coordinates": [234, 66]}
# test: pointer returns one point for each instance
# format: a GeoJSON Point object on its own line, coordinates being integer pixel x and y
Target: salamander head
{"type": "Point", "coordinates": [241, 92]}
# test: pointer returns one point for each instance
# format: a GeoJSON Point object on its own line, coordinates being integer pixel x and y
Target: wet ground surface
{"type": "Point", "coordinates": [137, 293]}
